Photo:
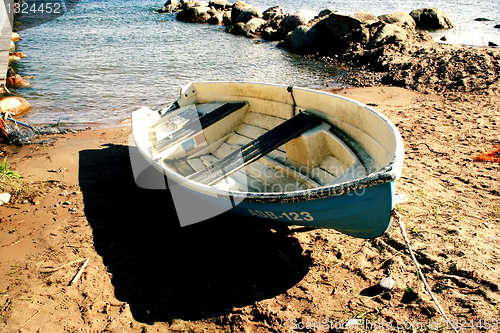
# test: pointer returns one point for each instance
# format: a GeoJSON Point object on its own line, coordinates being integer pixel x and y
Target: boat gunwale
{"type": "Point", "coordinates": [386, 174]}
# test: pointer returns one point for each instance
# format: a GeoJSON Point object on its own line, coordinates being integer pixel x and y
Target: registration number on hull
{"type": "Point", "coordinates": [290, 216]}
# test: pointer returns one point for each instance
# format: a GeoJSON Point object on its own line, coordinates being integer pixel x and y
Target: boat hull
{"type": "Point", "coordinates": [365, 213]}
{"type": "Point", "coordinates": [362, 213]}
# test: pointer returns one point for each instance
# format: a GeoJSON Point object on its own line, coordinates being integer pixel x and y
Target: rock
{"type": "Point", "coordinates": [14, 105]}
{"type": "Point", "coordinates": [365, 17]}
{"type": "Point", "coordinates": [497, 26]}
{"type": "Point", "coordinates": [387, 283]}
{"type": "Point", "coordinates": [268, 33]}
{"type": "Point", "coordinates": [343, 26]}
{"type": "Point", "coordinates": [171, 2]}
{"type": "Point", "coordinates": [220, 4]}
{"type": "Point", "coordinates": [389, 34]}
{"type": "Point", "coordinates": [16, 82]}
{"type": "Point", "coordinates": [249, 29]}
{"type": "Point", "coordinates": [354, 324]}
{"type": "Point", "coordinates": [4, 198]}
{"type": "Point", "coordinates": [196, 14]}
{"type": "Point", "coordinates": [302, 39]}
{"type": "Point", "coordinates": [184, 4]}
{"type": "Point", "coordinates": [254, 24]}
{"type": "Point", "coordinates": [444, 39]}
{"type": "Point", "coordinates": [168, 9]}
{"type": "Point", "coordinates": [248, 14]}
{"type": "Point", "coordinates": [217, 18]}
{"type": "Point", "coordinates": [273, 13]}
{"type": "Point", "coordinates": [226, 18]}
{"type": "Point", "coordinates": [400, 18]}
{"type": "Point", "coordinates": [431, 18]}
{"type": "Point", "coordinates": [200, 4]}
{"type": "Point", "coordinates": [272, 29]}
{"type": "Point", "coordinates": [212, 11]}
{"type": "Point", "coordinates": [15, 37]}
{"type": "Point", "coordinates": [14, 56]}
{"type": "Point", "coordinates": [492, 44]}
{"type": "Point", "coordinates": [327, 12]}
{"type": "Point", "coordinates": [238, 8]}
{"type": "Point", "coordinates": [300, 17]}
{"type": "Point", "coordinates": [335, 33]}
{"type": "Point", "coordinates": [12, 46]}
{"type": "Point", "coordinates": [482, 19]}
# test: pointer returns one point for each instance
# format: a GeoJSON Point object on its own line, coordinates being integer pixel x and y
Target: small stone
{"type": "Point", "coordinates": [387, 283]}
{"type": "Point", "coordinates": [354, 323]}
{"type": "Point", "coordinates": [4, 198]}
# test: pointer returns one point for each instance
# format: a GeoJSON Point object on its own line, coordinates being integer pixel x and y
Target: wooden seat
{"type": "Point", "coordinates": [257, 148]}
{"type": "Point", "coordinates": [196, 125]}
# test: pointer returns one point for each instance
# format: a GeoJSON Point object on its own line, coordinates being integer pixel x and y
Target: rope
{"type": "Point", "coordinates": [403, 231]}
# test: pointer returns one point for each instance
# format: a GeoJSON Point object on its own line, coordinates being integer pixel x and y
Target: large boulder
{"type": "Point", "coordinates": [272, 29]}
{"type": "Point", "coordinates": [431, 18]}
{"type": "Point", "coordinates": [365, 17]}
{"type": "Point", "coordinates": [226, 18]}
{"type": "Point", "coordinates": [254, 24]}
{"type": "Point", "coordinates": [302, 39]}
{"type": "Point", "coordinates": [14, 105]}
{"type": "Point", "coordinates": [185, 4]}
{"type": "Point", "coordinates": [248, 14]}
{"type": "Point", "coordinates": [335, 33]}
{"type": "Point", "coordinates": [238, 8]}
{"type": "Point", "coordinates": [249, 29]}
{"type": "Point", "coordinates": [300, 17]}
{"type": "Point", "coordinates": [197, 14]}
{"type": "Point", "coordinates": [389, 34]}
{"type": "Point", "coordinates": [15, 37]}
{"type": "Point", "coordinates": [220, 4]}
{"type": "Point", "coordinates": [327, 12]}
{"type": "Point", "coordinates": [217, 18]}
{"type": "Point", "coordinates": [399, 18]}
{"type": "Point", "coordinates": [273, 13]}
{"type": "Point", "coordinates": [16, 82]}
{"type": "Point", "coordinates": [169, 6]}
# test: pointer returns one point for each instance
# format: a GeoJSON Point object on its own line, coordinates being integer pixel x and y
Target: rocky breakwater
{"type": "Point", "coordinates": [388, 49]}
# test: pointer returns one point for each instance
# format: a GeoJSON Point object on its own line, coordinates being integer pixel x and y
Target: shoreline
{"type": "Point", "coordinates": [421, 72]}
{"type": "Point", "coordinates": [222, 274]}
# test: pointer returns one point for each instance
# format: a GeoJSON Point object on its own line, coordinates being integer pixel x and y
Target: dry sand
{"type": "Point", "coordinates": [234, 274]}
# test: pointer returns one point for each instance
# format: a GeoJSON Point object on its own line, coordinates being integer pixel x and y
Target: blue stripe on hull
{"type": "Point", "coordinates": [365, 214]}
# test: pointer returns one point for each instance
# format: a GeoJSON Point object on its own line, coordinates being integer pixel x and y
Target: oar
{"type": "Point", "coordinates": [18, 122]}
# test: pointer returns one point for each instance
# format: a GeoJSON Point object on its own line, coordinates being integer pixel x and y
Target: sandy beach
{"type": "Point", "coordinates": [141, 272]}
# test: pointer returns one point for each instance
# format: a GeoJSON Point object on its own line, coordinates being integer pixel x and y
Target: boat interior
{"type": "Point", "coordinates": [257, 145]}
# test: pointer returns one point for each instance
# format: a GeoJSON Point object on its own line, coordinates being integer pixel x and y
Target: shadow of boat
{"type": "Point", "coordinates": [164, 271]}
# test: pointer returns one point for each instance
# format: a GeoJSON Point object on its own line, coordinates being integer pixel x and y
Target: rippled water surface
{"type": "Point", "coordinates": [104, 59]}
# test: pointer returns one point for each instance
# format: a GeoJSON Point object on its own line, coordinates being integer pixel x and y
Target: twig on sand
{"type": "Point", "coordinates": [50, 270]}
{"type": "Point", "coordinates": [383, 262]}
{"type": "Point", "coordinates": [429, 147]}
{"type": "Point", "coordinates": [17, 241]}
{"type": "Point", "coordinates": [33, 316]}
{"type": "Point", "coordinates": [80, 272]}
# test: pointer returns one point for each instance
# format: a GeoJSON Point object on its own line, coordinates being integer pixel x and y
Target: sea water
{"type": "Point", "coordinates": [104, 59]}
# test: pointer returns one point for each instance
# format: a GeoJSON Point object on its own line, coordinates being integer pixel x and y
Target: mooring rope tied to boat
{"type": "Point", "coordinates": [396, 215]}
